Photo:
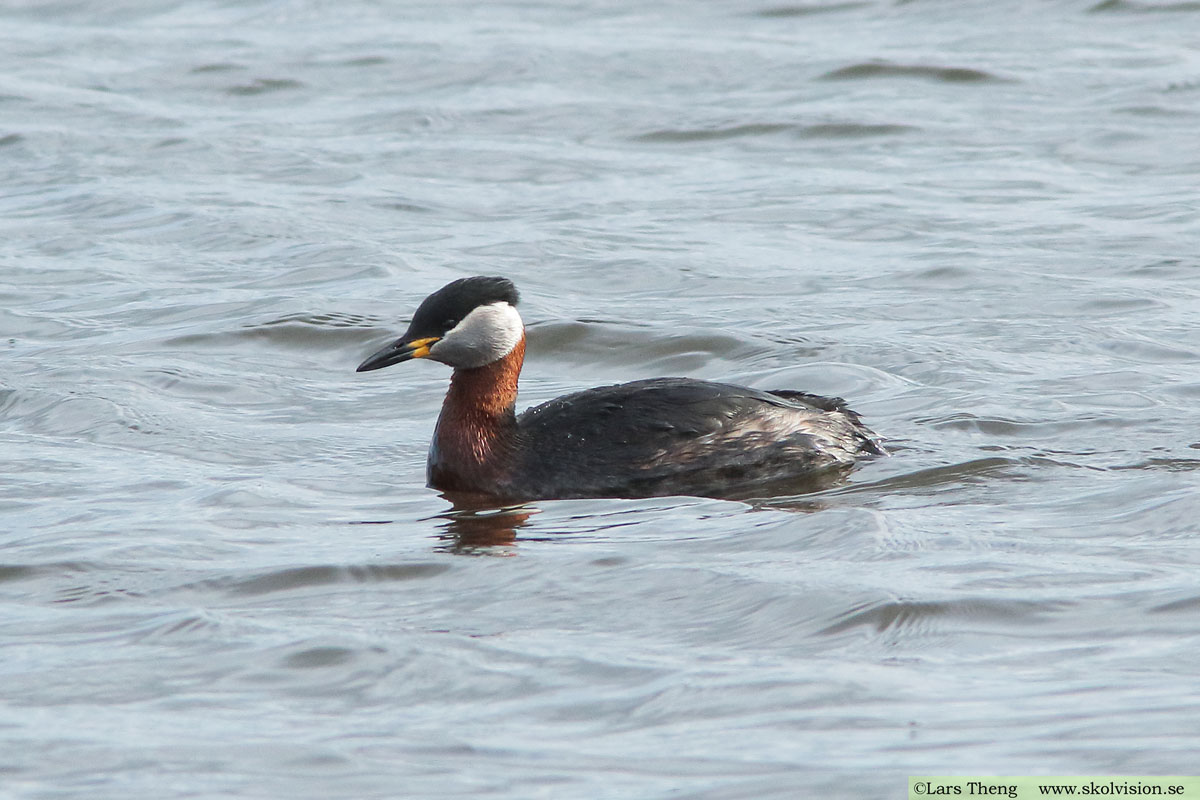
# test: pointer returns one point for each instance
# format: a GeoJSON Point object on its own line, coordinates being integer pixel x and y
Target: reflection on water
{"type": "Point", "coordinates": [475, 526]}
{"type": "Point", "coordinates": [475, 522]}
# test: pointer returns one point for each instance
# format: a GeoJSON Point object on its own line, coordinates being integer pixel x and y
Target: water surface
{"type": "Point", "coordinates": [222, 574]}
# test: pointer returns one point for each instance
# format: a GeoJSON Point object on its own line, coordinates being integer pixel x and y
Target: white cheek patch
{"type": "Point", "coordinates": [487, 334]}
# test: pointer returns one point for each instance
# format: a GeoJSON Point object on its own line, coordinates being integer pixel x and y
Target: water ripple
{"type": "Point", "coordinates": [1132, 6]}
{"type": "Point", "coordinates": [809, 9]}
{"type": "Point", "coordinates": [263, 86]}
{"type": "Point", "coordinates": [828, 130]}
{"type": "Point", "coordinates": [885, 69]}
{"type": "Point", "coordinates": [922, 615]}
{"type": "Point", "coordinates": [298, 578]}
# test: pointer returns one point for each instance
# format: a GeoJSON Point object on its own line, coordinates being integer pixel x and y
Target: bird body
{"type": "Point", "coordinates": [646, 438]}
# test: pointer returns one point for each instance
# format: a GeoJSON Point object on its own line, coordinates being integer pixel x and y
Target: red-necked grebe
{"type": "Point", "coordinates": [642, 439]}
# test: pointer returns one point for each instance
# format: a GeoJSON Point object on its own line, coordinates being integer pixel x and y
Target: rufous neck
{"type": "Point", "coordinates": [477, 430]}
{"type": "Point", "coordinates": [489, 391]}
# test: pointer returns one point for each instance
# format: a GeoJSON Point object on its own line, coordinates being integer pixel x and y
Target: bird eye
{"type": "Point", "coordinates": [450, 323]}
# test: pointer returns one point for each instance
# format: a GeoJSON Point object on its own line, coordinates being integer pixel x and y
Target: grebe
{"type": "Point", "coordinates": [642, 439]}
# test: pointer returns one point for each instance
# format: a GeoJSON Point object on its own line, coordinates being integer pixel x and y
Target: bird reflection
{"type": "Point", "coordinates": [475, 525]}
{"type": "Point", "coordinates": [793, 494]}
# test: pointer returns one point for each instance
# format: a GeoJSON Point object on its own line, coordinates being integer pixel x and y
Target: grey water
{"type": "Point", "coordinates": [221, 574]}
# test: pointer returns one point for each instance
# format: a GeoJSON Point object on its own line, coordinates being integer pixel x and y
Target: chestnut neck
{"type": "Point", "coordinates": [487, 391]}
{"type": "Point", "coordinates": [477, 424]}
